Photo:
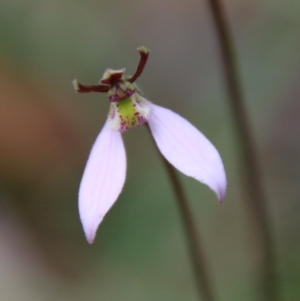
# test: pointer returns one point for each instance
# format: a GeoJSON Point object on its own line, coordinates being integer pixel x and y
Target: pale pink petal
{"type": "Point", "coordinates": [187, 149]}
{"type": "Point", "coordinates": [102, 181]}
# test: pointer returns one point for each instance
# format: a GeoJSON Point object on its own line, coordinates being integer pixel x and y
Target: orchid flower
{"type": "Point", "coordinates": [186, 148]}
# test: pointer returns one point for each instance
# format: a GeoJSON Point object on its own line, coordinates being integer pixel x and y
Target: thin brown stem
{"type": "Point", "coordinates": [144, 54]}
{"type": "Point", "coordinates": [254, 186]}
{"type": "Point", "coordinates": [199, 263]}
{"type": "Point", "coordinates": [80, 88]}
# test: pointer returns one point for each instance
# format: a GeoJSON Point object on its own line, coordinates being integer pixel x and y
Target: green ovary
{"type": "Point", "coordinates": [126, 108]}
{"type": "Point", "coordinates": [129, 113]}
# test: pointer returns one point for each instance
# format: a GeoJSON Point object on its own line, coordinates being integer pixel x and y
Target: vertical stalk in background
{"type": "Point", "coordinates": [197, 256]}
{"type": "Point", "coordinates": [257, 200]}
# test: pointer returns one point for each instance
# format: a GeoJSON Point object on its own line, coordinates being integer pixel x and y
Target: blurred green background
{"type": "Point", "coordinates": [46, 132]}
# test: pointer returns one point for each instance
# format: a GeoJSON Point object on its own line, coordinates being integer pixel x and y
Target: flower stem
{"type": "Point", "coordinates": [253, 179]}
{"type": "Point", "coordinates": [197, 256]}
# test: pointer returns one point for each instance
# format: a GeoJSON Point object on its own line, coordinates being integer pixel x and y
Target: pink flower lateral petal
{"type": "Point", "coordinates": [187, 149]}
{"type": "Point", "coordinates": [102, 181]}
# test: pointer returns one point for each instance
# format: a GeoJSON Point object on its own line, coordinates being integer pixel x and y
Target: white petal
{"type": "Point", "coordinates": [102, 181]}
{"type": "Point", "coordinates": [187, 149]}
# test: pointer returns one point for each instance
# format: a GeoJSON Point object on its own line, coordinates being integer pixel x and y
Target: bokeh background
{"type": "Point", "coordinates": [46, 132]}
